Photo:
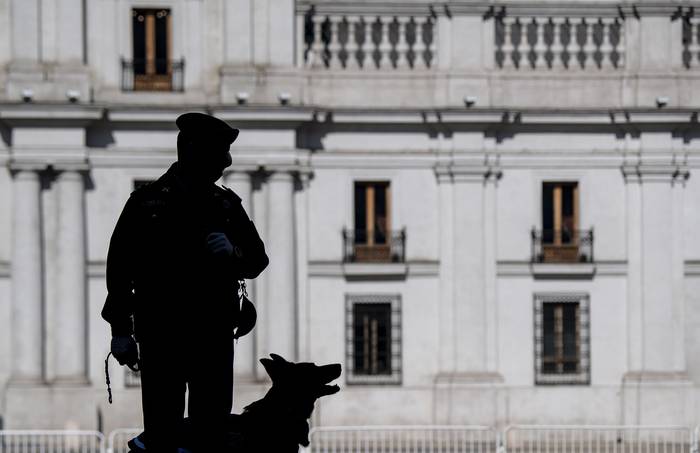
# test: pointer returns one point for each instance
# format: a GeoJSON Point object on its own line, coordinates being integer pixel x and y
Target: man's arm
{"type": "Point", "coordinates": [249, 257]}
{"type": "Point", "coordinates": [119, 306]}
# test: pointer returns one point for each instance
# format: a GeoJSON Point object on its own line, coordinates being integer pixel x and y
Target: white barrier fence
{"type": "Point", "coordinates": [116, 442]}
{"type": "Point", "coordinates": [408, 439]}
{"type": "Point", "coordinates": [394, 439]}
{"type": "Point", "coordinates": [51, 441]}
{"type": "Point", "coordinates": [599, 439]}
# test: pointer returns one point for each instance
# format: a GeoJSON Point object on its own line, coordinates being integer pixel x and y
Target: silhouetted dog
{"type": "Point", "coordinates": [279, 421]}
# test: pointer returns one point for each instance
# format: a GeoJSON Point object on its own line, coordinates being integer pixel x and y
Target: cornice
{"type": "Point", "coordinates": [44, 114]}
{"type": "Point", "coordinates": [493, 8]}
{"type": "Point", "coordinates": [656, 172]}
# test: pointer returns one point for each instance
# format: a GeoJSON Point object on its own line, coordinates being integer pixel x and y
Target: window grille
{"type": "Point", "coordinates": [562, 339]}
{"type": "Point", "coordinates": [373, 339]}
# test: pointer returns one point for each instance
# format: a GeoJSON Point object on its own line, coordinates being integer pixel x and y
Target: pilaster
{"type": "Point", "coordinates": [70, 322]}
{"type": "Point", "coordinates": [27, 310]}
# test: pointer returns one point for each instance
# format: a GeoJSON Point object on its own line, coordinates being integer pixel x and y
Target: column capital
{"type": "Point", "coordinates": [468, 173]}
{"type": "Point", "coordinates": [668, 173]}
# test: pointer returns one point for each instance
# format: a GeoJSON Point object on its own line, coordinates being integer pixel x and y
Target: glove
{"type": "Point", "coordinates": [219, 244]}
{"type": "Point", "coordinates": [124, 350]}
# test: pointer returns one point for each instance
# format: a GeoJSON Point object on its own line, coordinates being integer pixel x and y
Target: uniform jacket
{"type": "Point", "coordinates": [159, 269]}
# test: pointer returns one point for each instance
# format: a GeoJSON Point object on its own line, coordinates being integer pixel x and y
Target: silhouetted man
{"type": "Point", "coordinates": [177, 252]}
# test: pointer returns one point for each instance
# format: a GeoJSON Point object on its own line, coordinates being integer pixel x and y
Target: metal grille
{"type": "Point", "coordinates": [172, 77]}
{"type": "Point", "coordinates": [358, 248]}
{"type": "Point", "coordinates": [598, 439]}
{"type": "Point", "coordinates": [562, 346]}
{"type": "Point", "coordinates": [561, 246]}
{"type": "Point", "coordinates": [51, 441]}
{"type": "Point", "coordinates": [365, 344]}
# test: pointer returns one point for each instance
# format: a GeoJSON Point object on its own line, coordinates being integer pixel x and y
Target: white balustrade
{"type": "Point", "coordinates": [381, 42]}
{"type": "Point", "coordinates": [691, 43]}
{"type": "Point", "coordinates": [562, 43]}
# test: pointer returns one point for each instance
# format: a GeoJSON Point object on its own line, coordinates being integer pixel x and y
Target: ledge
{"type": "Point", "coordinates": [373, 271]}
{"type": "Point", "coordinates": [563, 270]}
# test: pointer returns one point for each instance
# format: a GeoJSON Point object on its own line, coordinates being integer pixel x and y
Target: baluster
{"type": "Point", "coordinates": [589, 48]}
{"type": "Point", "coordinates": [334, 45]}
{"type": "Point", "coordinates": [432, 48]}
{"type": "Point", "coordinates": [621, 43]}
{"type": "Point", "coordinates": [508, 47]}
{"type": "Point", "coordinates": [364, 53]}
{"type": "Point", "coordinates": [540, 45]}
{"type": "Point", "coordinates": [557, 48]}
{"type": "Point", "coordinates": [575, 46]}
{"type": "Point", "coordinates": [402, 45]}
{"type": "Point", "coordinates": [524, 46]}
{"type": "Point", "coordinates": [694, 45]}
{"type": "Point", "coordinates": [384, 43]}
{"type": "Point", "coordinates": [352, 46]}
{"type": "Point", "coordinates": [606, 47]}
{"type": "Point", "coordinates": [419, 46]}
{"type": "Point", "coordinates": [316, 55]}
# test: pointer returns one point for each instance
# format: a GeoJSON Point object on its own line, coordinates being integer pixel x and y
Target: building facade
{"type": "Point", "coordinates": [485, 210]}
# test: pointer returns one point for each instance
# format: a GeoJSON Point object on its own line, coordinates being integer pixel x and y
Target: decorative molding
{"type": "Point", "coordinates": [655, 172]}
{"type": "Point", "coordinates": [373, 271]}
{"type": "Point", "coordinates": [560, 271]}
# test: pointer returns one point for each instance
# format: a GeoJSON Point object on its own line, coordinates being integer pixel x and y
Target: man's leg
{"type": "Point", "coordinates": [163, 397]}
{"type": "Point", "coordinates": [211, 394]}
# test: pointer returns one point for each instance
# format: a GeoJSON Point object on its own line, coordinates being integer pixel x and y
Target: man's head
{"type": "Point", "coordinates": [203, 145]}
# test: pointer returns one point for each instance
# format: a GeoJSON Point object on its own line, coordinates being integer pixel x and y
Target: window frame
{"type": "Point", "coordinates": [583, 376]}
{"type": "Point", "coordinates": [354, 378]}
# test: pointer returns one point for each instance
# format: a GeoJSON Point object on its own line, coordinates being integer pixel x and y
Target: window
{"type": "Point", "coordinates": [372, 239]}
{"type": "Point", "coordinates": [560, 218]}
{"type": "Point", "coordinates": [152, 68]}
{"type": "Point", "coordinates": [373, 333]}
{"type": "Point", "coordinates": [562, 339]}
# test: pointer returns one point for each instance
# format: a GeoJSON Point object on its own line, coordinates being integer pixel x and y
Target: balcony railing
{"type": "Point", "coordinates": [153, 75]}
{"type": "Point", "coordinates": [360, 246]}
{"type": "Point", "coordinates": [562, 246]}
{"type": "Point", "coordinates": [369, 42]}
{"type": "Point", "coordinates": [566, 43]}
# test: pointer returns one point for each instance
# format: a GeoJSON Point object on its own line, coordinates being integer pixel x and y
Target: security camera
{"type": "Point", "coordinates": [242, 97]}
{"type": "Point", "coordinates": [27, 95]}
{"type": "Point", "coordinates": [469, 100]}
{"type": "Point", "coordinates": [73, 95]}
{"type": "Point", "coordinates": [662, 101]}
{"type": "Point", "coordinates": [284, 98]}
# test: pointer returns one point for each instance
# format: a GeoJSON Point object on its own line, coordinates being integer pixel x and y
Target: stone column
{"type": "Point", "coordinates": [657, 369]}
{"type": "Point", "coordinates": [71, 301]}
{"type": "Point", "coordinates": [240, 182]}
{"type": "Point", "coordinates": [490, 258]}
{"type": "Point", "coordinates": [447, 359]}
{"type": "Point", "coordinates": [27, 323]}
{"type": "Point", "coordinates": [470, 309]}
{"type": "Point", "coordinates": [281, 275]}
{"type": "Point", "coordinates": [25, 30]}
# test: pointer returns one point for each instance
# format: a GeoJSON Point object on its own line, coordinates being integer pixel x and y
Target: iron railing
{"type": "Point", "coordinates": [562, 246]}
{"type": "Point", "coordinates": [153, 75]}
{"type": "Point", "coordinates": [361, 246]}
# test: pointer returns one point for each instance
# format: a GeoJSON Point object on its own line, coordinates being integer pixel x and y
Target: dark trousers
{"type": "Point", "coordinates": [205, 366]}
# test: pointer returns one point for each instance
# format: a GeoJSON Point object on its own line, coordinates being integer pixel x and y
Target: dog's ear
{"type": "Point", "coordinates": [269, 367]}
{"type": "Point", "coordinates": [277, 358]}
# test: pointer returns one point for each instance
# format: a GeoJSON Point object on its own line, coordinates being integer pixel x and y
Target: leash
{"type": "Point", "coordinates": [135, 368]}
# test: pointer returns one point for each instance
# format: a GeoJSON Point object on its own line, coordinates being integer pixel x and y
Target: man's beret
{"type": "Point", "coordinates": [200, 125]}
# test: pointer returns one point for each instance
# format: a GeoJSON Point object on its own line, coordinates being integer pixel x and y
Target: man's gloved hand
{"type": "Point", "coordinates": [124, 350]}
{"type": "Point", "coordinates": [219, 244]}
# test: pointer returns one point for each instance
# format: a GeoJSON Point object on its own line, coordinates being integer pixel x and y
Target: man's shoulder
{"type": "Point", "coordinates": [227, 193]}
